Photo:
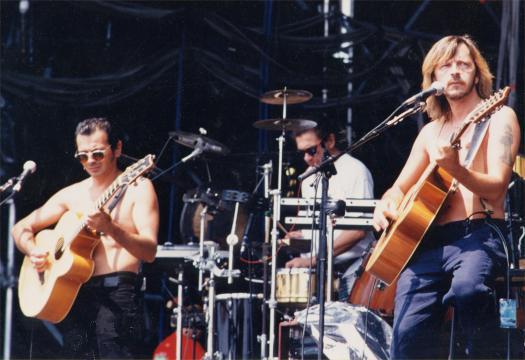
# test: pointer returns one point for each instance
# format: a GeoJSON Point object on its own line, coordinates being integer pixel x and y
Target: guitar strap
{"type": "Point", "coordinates": [477, 137]}
{"type": "Point", "coordinates": [480, 130]}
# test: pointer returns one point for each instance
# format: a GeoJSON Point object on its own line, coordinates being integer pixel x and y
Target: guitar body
{"type": "Point", "coordinates": [49, 295]}
{"type": "Point", "coordinates": [417, 211]}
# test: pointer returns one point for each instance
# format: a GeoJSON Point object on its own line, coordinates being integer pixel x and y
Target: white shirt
{"type": "Point", "coordinates": [353, 180]}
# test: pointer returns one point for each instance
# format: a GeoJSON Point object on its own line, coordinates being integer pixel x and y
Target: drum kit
{"type": "Point", "coordinates": [234, 315]}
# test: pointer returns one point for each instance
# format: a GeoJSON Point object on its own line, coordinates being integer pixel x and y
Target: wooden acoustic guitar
{"type": "Point", "coordinates": [421, 204]}
{"type": "Point", "coordinates": [49, 295]}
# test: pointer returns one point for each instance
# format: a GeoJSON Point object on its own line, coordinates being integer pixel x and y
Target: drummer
{"type": "Point", "coordinates": [353, 180]}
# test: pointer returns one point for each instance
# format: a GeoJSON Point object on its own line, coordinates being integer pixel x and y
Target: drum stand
{"type": "Point", "coordinates": [276, 215]}
{"type": "Point", "coordinates": [210, 311]}
{"type": "Point", "coordinates": [180, 305]}
{"type": "Point", "coordinates": [200, 263]}
{"type": "Point", "coordinates": [263, 338]}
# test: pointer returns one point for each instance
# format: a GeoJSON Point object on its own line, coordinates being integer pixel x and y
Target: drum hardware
{"type": "Point", "coordinates": [195, 141]}
{"type": "Point", "coordinates": [285, 96]}
{"type": "Point", "coordinates": [272, 302]}
{"type": "Point", "coordinates": [209, 264]}
{"type": "Point", "coordinates": [232, 239]}
{"type": "Point", "coordinates": [285, 124]}
{"type": "Point", "coordinates": [279, 97]}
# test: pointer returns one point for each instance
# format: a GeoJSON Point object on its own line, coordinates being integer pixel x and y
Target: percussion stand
{"type": "Point", "coordinates": [209, 265]}
{"type": "Point", "coordinates": [200, 261]}
{"type": "Point", "coordinates": [267, 173]}
{"type": "Point", "coordinates": [180, 305]}
{"type": "Point", "coordinates": [210, 313]}
{"type": "Point", "coordinates": [276, 215]}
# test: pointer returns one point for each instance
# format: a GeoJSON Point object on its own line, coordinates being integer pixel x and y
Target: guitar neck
{"type": "Point", "coordinates": [99, 204]}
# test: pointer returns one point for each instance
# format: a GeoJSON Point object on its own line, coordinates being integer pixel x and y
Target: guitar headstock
{"type": "Point", "coordinates": [139, 168]}
{"type": "Point", "coordinates": [481, 111]}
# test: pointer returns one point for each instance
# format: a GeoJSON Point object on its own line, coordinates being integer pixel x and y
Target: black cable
{"type": "Point", "coordinates": [507, 281]}
{"type": "Point", "coordinates": [315, 184]}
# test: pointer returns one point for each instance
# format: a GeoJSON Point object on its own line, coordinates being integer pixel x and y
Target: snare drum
{"type": "Point", "coordinates": [293, 284]}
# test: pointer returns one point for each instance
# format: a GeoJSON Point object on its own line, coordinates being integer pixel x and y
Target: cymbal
{"type": "Point", "coordinates": [285, 124]}
{"type": "Point", "coordinates": [195, 140]}
{"type": "Point", "coordinates": [276, 97]}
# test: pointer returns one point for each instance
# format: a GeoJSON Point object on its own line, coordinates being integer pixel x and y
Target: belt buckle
{"type": "Point", "coordinates": [111, 281]}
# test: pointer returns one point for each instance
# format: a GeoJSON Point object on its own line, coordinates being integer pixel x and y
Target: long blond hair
{"type": "Point", "coordinates": [443, 50]}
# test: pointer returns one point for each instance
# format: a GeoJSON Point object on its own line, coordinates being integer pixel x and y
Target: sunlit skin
{"type": "Point", "coordinates": [490, 171]}
{"type": "Point", "coordinates": [129, 232]}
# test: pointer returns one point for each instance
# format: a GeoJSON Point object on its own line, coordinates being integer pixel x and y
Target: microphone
{"type": "Point", "coordinates": [337, 209]}
{"type": "Point", "coordinates": [29, 168]}
{"type": "Point", "coordinates": [436, 88]}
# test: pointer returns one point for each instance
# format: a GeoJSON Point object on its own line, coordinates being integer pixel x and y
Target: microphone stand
{"type": "Point", "coordinates": [327, 171]}
{"type": "Point", "coordinates": [199, 149]}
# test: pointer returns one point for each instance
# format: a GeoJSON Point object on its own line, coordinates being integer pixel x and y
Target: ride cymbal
{"type": "Point", "coordinates": [196, 140]}
{"type": "Point", "coordinates": [276, 97]}
{"type": "Point", "coordinates": [285, 124]}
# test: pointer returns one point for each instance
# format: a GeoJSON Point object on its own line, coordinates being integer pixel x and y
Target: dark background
{"type": "Point", "coordinates": [154, 67]}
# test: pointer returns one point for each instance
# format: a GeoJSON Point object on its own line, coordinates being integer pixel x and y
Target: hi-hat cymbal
{"type": "Point", "coordinates": [196, 140]}
{"type": "Point", "coordinates": [285, 124]}
{"type": "Point", "coordinates": [276, 97]}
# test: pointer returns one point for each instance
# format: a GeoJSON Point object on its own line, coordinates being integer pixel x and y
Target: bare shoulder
{"type": "Point", "coordinates": [143, 187]}
{"type": "Point", "coordinates": [504, 116]}
{"type": "Point", "coordinates": [429, 132]}
{"type": "Point", "coordinates": [504, 124]}
{"type": "Point", "coordinates": [64, 196]}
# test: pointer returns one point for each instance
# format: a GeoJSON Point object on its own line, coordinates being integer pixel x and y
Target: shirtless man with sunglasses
{"type": "Point", "coordinates": [105, 321]}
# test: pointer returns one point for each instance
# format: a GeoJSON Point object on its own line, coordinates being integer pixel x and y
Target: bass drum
{"type": "Point", "coordinates": [219, 218]}
{"type": "Point", "coordinates": [373, 294]}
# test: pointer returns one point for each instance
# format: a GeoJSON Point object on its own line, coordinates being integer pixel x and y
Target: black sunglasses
{"type": "Point", "coordinates": [312, 150]}
{"type": "Point", "coordinates": [97, 155]}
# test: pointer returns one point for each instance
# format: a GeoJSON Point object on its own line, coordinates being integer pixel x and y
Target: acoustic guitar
{"type": "Point", "coordinates": [49, 295]}
{"type": "Point", "coordinates": [421, 205]}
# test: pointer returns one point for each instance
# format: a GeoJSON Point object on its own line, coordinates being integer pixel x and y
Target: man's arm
{"type": "Point", "coordinates": [24, 231]}
{"type": "Point", "coordinates": [502, 147]}
{"type": "Point", "coordinates": [346, 240]}
{"type": "Point", "coordinates": [416, 163]}
{"type": "Point", "coordinates": [145, 217]}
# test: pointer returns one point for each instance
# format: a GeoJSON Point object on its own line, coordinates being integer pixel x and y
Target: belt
{"type": "Point", "coordinates": [113, 279]}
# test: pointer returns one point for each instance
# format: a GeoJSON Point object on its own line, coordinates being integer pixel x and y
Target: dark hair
{"type": "Point", "coordinates": [323, 130]}
{"type": "Point", "coordinates": [89, 126]}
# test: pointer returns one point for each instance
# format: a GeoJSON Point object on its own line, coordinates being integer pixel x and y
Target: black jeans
{"type": "Point", "coordinates": [106, 319]}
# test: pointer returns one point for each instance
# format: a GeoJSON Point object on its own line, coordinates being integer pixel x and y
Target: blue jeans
{"type": "Point", "coordinates": [456, 264]}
